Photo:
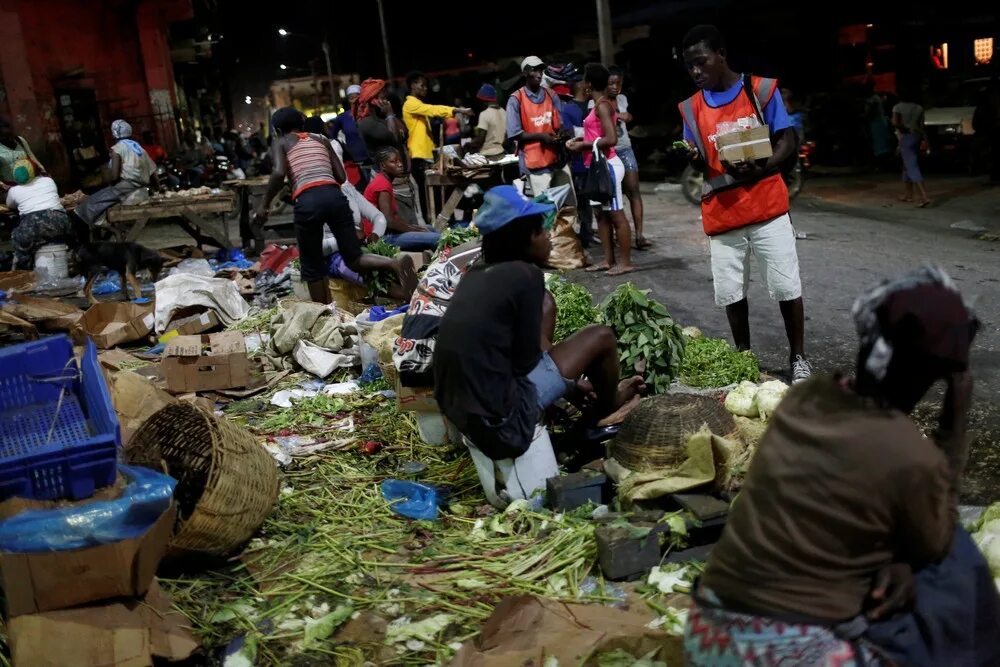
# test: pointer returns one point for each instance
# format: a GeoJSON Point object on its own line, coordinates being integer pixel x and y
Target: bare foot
{"type": "Point", "coordinates": [628, 388]}
{"type": "Point", "coordinates": [924, 204]}
{"type": "Point", "coordinates": [642, 243]}
{"type": "Point", "coordinates": [618, 269]}
{"type": "Point", "coordinates": [597, 267]}
{"type": "Point", "coordinates": [902, 198]}
{"type": "Point", "coordinates": [618, 416]}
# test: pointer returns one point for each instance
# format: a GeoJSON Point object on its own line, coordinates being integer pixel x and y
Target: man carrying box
{"type": "Point", "coordinates": [744, 203]}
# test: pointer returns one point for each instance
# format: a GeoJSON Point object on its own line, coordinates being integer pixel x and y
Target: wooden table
{"type": "Point", "coordinates": [245, 190]}
{"type": "Point", "coordinates": [456, 182]}
{"type": "Point", "coordinates": [203, 217]}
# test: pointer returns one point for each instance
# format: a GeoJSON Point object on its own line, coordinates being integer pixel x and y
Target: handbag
{"type": "Point", "coordinates": [597, 184]}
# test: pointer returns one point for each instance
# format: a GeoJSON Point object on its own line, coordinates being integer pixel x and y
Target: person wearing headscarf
{"type": "Point", "coordinates": [344, 128]}
{"type": "Point", "coordinates": [844, 544]}
{"type": "Point", "coordinates": [41, 217]}
{"type": "Point", "coordinates": [378, 124]}
{"type": "Point", "coordinates": [12, 149]}
{"type": "Point", "coordinates": [132, 171]}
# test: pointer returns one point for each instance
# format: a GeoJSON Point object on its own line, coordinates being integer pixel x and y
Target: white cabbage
{"type": "Point", "coordinates": [742, 401]}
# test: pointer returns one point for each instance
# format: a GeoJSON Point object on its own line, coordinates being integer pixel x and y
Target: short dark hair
{"type": "Point", "coordinates": [315, 125]}
{"type": "Point", "coordinates": [413, 77]}
{"type": "Point", "coordinates": [511, 242]}
{"type": "Point", "coordinates": [287, 119]}
{"type": "Point", "coordinates": [709, 34]}
{"type": "Point", "coordinates": [596, 75]}
{"type": "Point", "coordinates": [615, 70]}
{"type": "Point", "coordinates": [383, 154]}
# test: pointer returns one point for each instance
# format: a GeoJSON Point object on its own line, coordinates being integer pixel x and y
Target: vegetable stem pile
{"type": "Point", "coordinates": [712, 362]}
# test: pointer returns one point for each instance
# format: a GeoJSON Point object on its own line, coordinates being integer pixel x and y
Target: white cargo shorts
{"type": "Point", "coordinates": [773, 244]}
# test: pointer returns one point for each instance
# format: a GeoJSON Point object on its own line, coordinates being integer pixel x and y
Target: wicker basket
{"type": "Point", "coordinates": [226, 482]}
{"type": "Point", "coordinates": [655, 434]}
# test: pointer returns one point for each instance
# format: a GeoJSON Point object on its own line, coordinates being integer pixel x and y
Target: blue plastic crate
{"type": "Point", "coordinates": [52, 448]}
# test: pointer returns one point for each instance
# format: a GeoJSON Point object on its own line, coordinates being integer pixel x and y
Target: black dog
{"type": "Point", "coordinates": [125, 258]}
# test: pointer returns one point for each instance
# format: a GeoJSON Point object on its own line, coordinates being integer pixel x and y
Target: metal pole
{"type": "Point", "coordinates": [385, 42]}
{"type": "Point", "coordinates": [604, 36]}
{"type": "Point", "coordinates": [334, 93]}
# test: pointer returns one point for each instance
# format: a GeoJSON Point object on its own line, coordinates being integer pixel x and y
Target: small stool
{"type": "Point", "coordinates": [507, 480]}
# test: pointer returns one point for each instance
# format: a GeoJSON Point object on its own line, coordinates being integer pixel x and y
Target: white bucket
{"type": "Point", "coordinates": [513, 479]}
{"type": "Point", "coordinates": [299, 288]}
{"type": "Point", "coordinates": [434, 428]}
{"type": "Point", "coordinates": [51, 262]}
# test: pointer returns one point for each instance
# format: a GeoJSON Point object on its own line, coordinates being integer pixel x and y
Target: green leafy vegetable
{"type": "Point", "coordinates": [452, 237]}
{"type": "Point", "coordinates": [649, 341]}
{"type": "Point", "coordinates": [712, 362]}
{"type": "Point", "coordinates": [378, 281]}
{"type": "Point", "coordinates": [574, 306]}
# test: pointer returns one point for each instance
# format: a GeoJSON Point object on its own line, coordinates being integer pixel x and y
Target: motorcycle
{"type": "Point", "coordinates": [692, 179]}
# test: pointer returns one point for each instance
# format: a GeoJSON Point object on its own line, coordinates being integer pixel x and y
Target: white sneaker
{"type": "Point", "coordinates": [801, 369]}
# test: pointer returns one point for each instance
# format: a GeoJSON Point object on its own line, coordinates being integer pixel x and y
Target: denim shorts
{"type": "Point", "coordinates": [628, 157]}
{"type": "Point", "coordinates": [549, 383]}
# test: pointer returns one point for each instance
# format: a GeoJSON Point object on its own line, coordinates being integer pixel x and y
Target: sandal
{"type": "Point", "coordinates": [618, 271]}
{"type": "Point", "coordinates": [597, 268]}
{"type": "Point", "coordinates": [924, 204]}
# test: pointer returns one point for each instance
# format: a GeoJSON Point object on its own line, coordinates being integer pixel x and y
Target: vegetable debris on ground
{"type": "Point", "coordinates": [574, 306]}
{"type": "Point", "coordinates": [713, 362]}
{"type": "Point", "coordinates": [649, 341]}
{"type": "Point", "coordinates": [336, 576]}
{"type": "Point", "coordinates": [378, 282]}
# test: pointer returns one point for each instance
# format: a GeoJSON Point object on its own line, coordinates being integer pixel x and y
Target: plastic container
{"type": "Point", "coordinates": [52, 448]}
{"type": "Point", "coordinates": [521, 478]}
{"type": "Point", "coordinates": [299, 288]}
{"type": "Point", "coordinates": [369, 355]}
{"type": "Point", "coordinates": [51, 262]}
{"type": "Point", "coordinates": [435, 429]}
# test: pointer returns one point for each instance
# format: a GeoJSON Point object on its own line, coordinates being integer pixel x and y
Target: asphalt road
{"type": "Point", "coordinates": [847, 248]}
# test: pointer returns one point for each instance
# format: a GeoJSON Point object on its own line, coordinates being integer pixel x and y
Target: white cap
{"type": "Point", "coordinates": [354, 89]}
{"type": "Point", "coordinates": [531, 61]}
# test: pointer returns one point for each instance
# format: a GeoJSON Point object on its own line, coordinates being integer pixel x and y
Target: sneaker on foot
{"type": "Point", "coordinates": [801, 369]}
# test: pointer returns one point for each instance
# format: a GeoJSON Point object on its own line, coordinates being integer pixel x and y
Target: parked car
{"type": "Point", "coordinates": [949, 125]}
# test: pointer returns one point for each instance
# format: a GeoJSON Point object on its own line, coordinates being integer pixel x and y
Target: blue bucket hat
{"type": "Point", "coordinates": [504, 204]}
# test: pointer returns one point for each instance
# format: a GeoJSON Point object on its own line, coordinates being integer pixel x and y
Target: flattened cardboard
{"type": "Point", "coordinates": [745, 145]}
{"type": "Point", "coordinates": [205, 363]}
{"type": "Point", "coordinates": [111, 324]}
{"type": "Point", "coordinates": [415, 399]}
{"type": "Point", "coordinates": [122, 633]}
{"type": "Point", "coordinates": [195, 324]}
{"type": "Point", "coordinates": [46, 581]}
{"type": "Point", "coordinates": [135, 398]}
{"type": "Point", "coordinates": [46, 314]}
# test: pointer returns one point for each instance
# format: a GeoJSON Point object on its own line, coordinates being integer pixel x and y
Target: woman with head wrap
{"type": "Point", "coordinates": [12, 149]}
{"type": "Point", "coordinates": [132, 171]}
{"type": "Point", "coordinates": [844, 547]}
{"type": "Point", "coordinates": [315, 173]}
{"type": "Point", "coordinates": [41, 217]}
{"type": "Point", "coordinates": [377, 123]}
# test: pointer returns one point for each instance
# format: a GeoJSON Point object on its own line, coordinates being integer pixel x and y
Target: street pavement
{"type": "Point", "coordinates": [855, 232]}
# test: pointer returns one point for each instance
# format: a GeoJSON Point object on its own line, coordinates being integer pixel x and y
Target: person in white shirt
{"type": "Point", "coordinates": [41, 217]}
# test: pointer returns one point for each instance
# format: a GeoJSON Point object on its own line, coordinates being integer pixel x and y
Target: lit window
{"type": "Point", "coordinates": [982, 49]}
{"type": "Point", "coordinates": [939, 55]}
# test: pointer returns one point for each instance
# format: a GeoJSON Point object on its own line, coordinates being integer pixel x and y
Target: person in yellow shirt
{"type": "Point", "coordinates": [416, 116]}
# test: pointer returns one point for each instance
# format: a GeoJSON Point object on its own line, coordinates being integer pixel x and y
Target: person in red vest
{"type": "Point", "coordinates": [744, 206]}
{"type": "Point", "coordinates": [534, 123]}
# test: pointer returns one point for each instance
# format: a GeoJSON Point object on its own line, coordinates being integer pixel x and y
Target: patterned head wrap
{"type": "Point", "coordinates": [370, 88]}
{"type": "Point", "coordinates": [120, 129]}
{"type": "Point", "coordinates": [23, 170]}
{"type": "Point", "coordinates": [919, 315]}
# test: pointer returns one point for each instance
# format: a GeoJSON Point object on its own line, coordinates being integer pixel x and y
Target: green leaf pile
{"type": "Point", "coordinates": [378, 281]}
{"type": "Point", "coordinates": [452, 237]}
{"type": "Point", "coordinates": [574, 306]}
{"type": "Point", "coordinates": [647, 336]}
{"type": "Point", "coordinates": [713, 362]}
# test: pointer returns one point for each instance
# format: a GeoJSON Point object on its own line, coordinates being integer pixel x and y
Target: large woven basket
{"type": "Point", "coordinates": [654, 435]}
{"type": "Point", "coordinates": [226, 482]}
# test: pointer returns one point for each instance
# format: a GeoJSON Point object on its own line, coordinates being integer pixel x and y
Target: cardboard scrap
{"type": "Point", "coordinates": [203, 363]}
{"type": "Point", "coordinates": [745, 145]}
{"type": "Point", "coordinates": [122, 633]}
{"type": "Point", "coordinates": [111, 324]}
{"type": "Point", "coordinates": [415, 399]}
{"type": "Point", "coordinates": [46, 314]}
{"type": "Point", "coordinates": [16, 280]}
{"type": "Point", "coordinates": [27, 328]}
{"type": "Point", "coordinates": [525, 628]}
{"type": "Point", "coordinates": [196, 323]}
{"type": "Point", "coordinates": [44, 581]}
{"type": "Point", "coordinates": [135, 398]}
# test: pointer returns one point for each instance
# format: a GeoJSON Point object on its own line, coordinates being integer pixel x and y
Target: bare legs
{"type": "Point", "coordinates": [792, 312]}
{"type": "Point", "coordinates": [593, 351]}
{"type": "Point", "coordinates": [630, 186]}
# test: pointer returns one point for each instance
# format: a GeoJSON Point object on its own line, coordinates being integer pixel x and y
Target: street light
{"type": "Point", "coordinates": [326, 53]}
{"type": "Point", "coordinates": [248, 100]}
{"type": "Point", "coordinates": [282, 32]}
{"type": "Point", "coordinates": [283, 66]}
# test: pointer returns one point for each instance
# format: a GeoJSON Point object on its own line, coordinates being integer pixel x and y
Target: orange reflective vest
{"type": "Point", "coordinates": [538, 118]}
{"type": "Point", "coordinates": [727, 204]}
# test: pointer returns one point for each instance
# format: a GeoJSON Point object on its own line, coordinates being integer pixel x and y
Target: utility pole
{"type": "Point", "coordinates": [385, 43]}
{"type": "Point", "coordinates": [604, 36]}
{"type": "Point", "coordinates": [334, 93]}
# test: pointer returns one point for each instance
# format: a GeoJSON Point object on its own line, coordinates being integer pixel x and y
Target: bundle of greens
{"type": "Point", "coordinates": [378, 281]}
{"type": "Point", "coordinates": [452, 237]}
{"type": "Point", "coordinates": [712, 362]}
{"type": "Point", "coordinates": [649, 341]}
{"type": "Point", "coordinates": [574, 306]}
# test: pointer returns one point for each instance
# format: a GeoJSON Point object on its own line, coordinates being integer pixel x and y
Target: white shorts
{"type": "Point", "coordinates": [617, 168]}
{"type": "Point", "coordinates": [773, 244]}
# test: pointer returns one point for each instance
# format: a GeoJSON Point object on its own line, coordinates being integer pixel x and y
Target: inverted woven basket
{"type": "Point", "coordinates": [226, 482]}
{"type": "Point", "coordinates": [654, 435]}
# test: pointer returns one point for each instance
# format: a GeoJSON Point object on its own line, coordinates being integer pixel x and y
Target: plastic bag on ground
{"type": "Point", "coordinates": [110, 283]}
{"type": "Point", "coordinates": [197, 267]}
{"type": "Point", "coordinates": [411, 499]}
{"type": "Point", "coordinates": [183, 290]}
{"type": "Point", "coordinates": [146, 496]}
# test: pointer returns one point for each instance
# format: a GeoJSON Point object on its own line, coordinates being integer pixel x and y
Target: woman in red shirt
{"type": "Point", "coordinates": [379, 192]}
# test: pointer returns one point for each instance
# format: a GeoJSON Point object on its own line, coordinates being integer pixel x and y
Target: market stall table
{"type": "Point", "coordinates": [245, 189]}
{"type": "Point", "coordinates": [201, 216]}
{"type": "Point", "coordinates": [454, 179]}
